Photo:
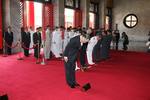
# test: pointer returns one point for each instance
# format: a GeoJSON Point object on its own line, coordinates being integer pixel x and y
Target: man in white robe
{"type": "Point", "coordinates": [90, 47]}
{"type": "Point", "coordinates": [59, 41]}
{"type": "Point", "coordinates": [31, 35]}
{"type": "Point", "coordinates": [56, 46]}
{"type": "Point", "coordinates": [47, 43]}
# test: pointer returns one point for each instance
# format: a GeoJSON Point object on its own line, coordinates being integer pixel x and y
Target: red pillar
{"type": "Point", "coordinates": [78, 18]}
{"type": "Point", "coordinates": [31, 14]}
{"type": "Point", "coordinates": [47, 19]}
{"type": "Point", "coordinates": [1, 36]}
{"type": "Point", "coordinates": [48, 15]}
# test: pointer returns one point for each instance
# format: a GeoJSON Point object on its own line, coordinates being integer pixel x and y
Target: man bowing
{"type": "Point", "coordinates": [70, 57]}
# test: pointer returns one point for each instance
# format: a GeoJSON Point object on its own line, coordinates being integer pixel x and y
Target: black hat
{"type": "Point", "coordinates": [86, 87]}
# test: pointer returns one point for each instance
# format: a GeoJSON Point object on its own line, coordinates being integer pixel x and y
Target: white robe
{"type": "Point", "coordinates": [60, 41]}
{"type": "Point", "coordinates": [31, 43]}
{"type": "Point", "coordinates": [71, 34]}
{"type": "Point", "coordinates": [47, 44]}
{"type": "Point", "coordinates": [56, 46]}
{"type": "Point", "coordinates": [90, 47]}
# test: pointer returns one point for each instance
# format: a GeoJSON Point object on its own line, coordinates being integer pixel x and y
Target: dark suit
{"type": "Point", "coordinates": [37, 39]}
{"type": "Point", "coordinates": [96, 51]}
{"type": "Point", "coordinates": [9, 40]}
{"type": "Point", "coordinates": [26, 39]}
{"type": "Point", "coordinates": [71, 51]}
{"type": "Point", "coordinates": [125, 42]}
{"type": "Point", "coordinates": [105, 48]}
{"type": "Point", "coordinates": [117, 36]}
{"type": "Point", "coordinates": [83, 55]}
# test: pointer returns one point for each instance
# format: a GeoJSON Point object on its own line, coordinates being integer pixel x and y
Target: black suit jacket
{"type": "Point", "coordinates": [105, 46]}
{"type": "Point", "coordinates": [71, 50]}
{"type": "Point", "coordinates": [125, 39]}
{"type": "Point", "coordinates": [26, 39]}
{"type": "Point", "coordinates": [37, 38]}
{"type": "Point", "coordinates": [8, 38]}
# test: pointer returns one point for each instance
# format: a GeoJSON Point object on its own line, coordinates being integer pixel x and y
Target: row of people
{"type": "Point", "coordinates": [56, 41]}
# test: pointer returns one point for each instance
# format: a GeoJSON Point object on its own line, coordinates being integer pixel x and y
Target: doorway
{"type": "Point", "coordinates": [33, 14]}
{"type": "Point", "coordinates": [92, 20]}
{"type": "Point", "coordinates": [69, 17]}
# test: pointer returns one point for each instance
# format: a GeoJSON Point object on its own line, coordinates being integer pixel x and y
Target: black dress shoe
{"type": "Point", "coordinates": [4, 97]}
{"type": "Point", "coordinates": [86, 87]}
{"type": "Point", "coordinates": [72, 86]}
{"type": "Point", "coordinates": [76, 84]}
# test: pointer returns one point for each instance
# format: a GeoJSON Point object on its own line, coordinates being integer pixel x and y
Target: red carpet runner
{"type": "Point", "coordinates": [125, 76]}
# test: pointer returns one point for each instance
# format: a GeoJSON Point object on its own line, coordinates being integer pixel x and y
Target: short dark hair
{"type": "Point", "coordinates": [85, 35]}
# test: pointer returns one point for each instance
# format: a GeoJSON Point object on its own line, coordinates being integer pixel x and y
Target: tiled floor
{"type": "Point", "coordinates": [135, 46]}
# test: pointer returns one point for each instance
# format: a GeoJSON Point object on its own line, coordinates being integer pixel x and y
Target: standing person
{"type": "Point", "coordinates": [8, 37]}
{"type": "Point", "coordinates": [47, 43]}
{"type": "Point", "coordinates": [70, 57]}
{"type": "Point", "coordinates": [113, 42]}
{"type": "Point", "coordinates": [56, 46]}
{"type": "Point", "coordinates": [62, 32]}
{"type": "Point", "coordinates": [31, 35]}
{"type": "Point", "coordinates": [37, 43]}
{"type": "Point", "coordinates": [59, 41]}
{"type": "Point", "coordinates": [125, 41]}
{"type": "Point", "coordinates": [117, 37]}
{"type": "Point", "coordinates": [26, 39]}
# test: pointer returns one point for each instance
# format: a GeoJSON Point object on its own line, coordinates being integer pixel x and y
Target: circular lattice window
{"type": "Point", "coordinates": [130, 20]}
